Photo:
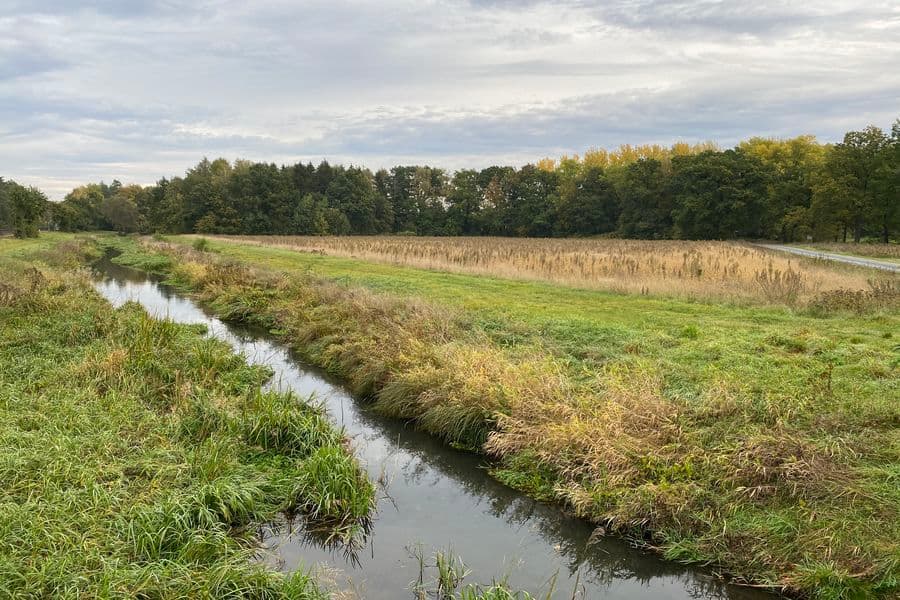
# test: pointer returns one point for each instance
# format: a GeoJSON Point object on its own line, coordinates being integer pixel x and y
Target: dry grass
{"type": "Point", "coordinates": [889, 251]}
{"type": "Point", "coordinates": [728, 271]}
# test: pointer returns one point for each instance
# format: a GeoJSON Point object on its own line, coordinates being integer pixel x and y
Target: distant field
{"type": "Point", "coordinates": [889, 252]}
{"type": "Point", "coordinates": [727, 271]}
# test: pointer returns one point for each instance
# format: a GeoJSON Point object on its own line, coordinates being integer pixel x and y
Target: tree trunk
{"type": "Point", "coordinates": [885, 234]}
{"type": "Point", "coordinates": [844, 238]}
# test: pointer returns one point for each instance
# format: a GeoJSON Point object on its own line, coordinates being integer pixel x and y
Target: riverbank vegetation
{"type": "Point", "coordinates": [137, 457]}
{"type": "Point", "coordinates": [760, 440]}
{"type": "Point", "coordinates": [724, 271]}
{"type": "Point", "coordinates": [791, 190]}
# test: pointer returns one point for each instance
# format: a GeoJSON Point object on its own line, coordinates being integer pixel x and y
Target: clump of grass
{"type": "Point", "coordinates": [780, 286]}
{"type": "Point", "coordinates": [448, 580]}
{"type": "Point", "coordinates": [280, 423]}
{"type": "Point", "coordinates": [199, 419]}
{"type": "Point", "coordinates": [201, 245]}
{"type": "Point", "coordinates": [126, 254]}
{"type": "Point", "coordinates": [333, 490]}
{"type": "Point", "coordinates": [882, 294]}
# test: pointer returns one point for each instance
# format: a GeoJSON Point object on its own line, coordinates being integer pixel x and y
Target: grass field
{"type": "Point", "coordinates": [722, 271]}
{"type": "Point", "coordinates": [763, 440]}
{"type": "Point", "coordinates": [137, 456]}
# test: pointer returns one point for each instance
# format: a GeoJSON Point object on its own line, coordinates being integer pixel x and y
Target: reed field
{"type": "Point", "coordinates": [761, 440]}
{"type": "Point", "coordinates": [729, 271]}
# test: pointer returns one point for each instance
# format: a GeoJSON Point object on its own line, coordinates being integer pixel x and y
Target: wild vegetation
{"type": "Point", "coordinates": [696, 270]}
{"type": "Point", "coordinates": [761, 440]}
{"type": "Point", "coordinates": [889, 251]}
{"type": "Point", "coordinates": [792, 190]}
{"type": "Point", "coordinates": [22, 210]}
{"type": "Point", "coordinates": [138, 456]}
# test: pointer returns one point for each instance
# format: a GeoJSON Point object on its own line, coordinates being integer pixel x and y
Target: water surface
{"type": "Point", "coordinates": [435, 498]}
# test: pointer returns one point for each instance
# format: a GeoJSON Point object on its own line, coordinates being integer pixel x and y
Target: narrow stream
{"type": "Point", "coordinates": [436, 498]}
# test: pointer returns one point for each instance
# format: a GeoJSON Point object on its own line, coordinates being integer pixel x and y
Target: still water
{"type": "Point", "coordinates": [434, 498]}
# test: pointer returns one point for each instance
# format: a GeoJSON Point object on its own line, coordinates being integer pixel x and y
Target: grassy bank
{"type": "Point", "coordinates": [137, 456]}
{"type": "Point", "coordinates": [761, 440]}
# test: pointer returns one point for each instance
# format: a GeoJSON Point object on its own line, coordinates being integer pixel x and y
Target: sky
{"type": "Point", "coordinates": [135, 91]}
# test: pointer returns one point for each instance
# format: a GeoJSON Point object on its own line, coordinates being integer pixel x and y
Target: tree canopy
{"type": "Point", "coordinates": [22, 210]}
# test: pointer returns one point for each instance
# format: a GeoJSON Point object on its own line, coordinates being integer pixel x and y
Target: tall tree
{"type": "Point", "coordinates": [464, 203]}
{"type": "Point", "coordinates": [122, 213]}
{"type": "Point", "coordinates": [719, 195]}
{"type": "Point", "coordinates": [885, 212]}
{"type": "Point", "coordinates": [854, 164]}
{"type": "Point", "coordinates": [22, 209]}
{"type": "Point", "coordinates": [646, 200]}
{"type": "Point", "coordinates": [352, 192]}
{"type": "Point", "coordinates": [530, 208]}
{"type": "Point", "coordinates": [588, 205]}
{"type": "Point", "coordinates": [795, 165]}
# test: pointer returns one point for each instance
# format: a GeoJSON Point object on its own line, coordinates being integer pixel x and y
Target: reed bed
{"type": "Point", "coordinates": [729, 271]}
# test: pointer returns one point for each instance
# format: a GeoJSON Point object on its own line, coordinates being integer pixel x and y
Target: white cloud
{"type": "Point", "coordinates": [139, 90]}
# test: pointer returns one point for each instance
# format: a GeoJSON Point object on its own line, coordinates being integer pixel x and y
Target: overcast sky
{"type": "Point", "coordinates": [139, 90]}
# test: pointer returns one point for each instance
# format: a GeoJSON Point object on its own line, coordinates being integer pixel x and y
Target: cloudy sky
{"type": "Point", "coordinates": [136, 90]}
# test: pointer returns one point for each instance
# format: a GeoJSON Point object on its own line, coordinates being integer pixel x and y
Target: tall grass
{"type": "Point", "coordinates": [443, 576]}
{"type": "Point", "coordinates": [698, 270]}
{"type": "Point", "coordinates": [137, 458]}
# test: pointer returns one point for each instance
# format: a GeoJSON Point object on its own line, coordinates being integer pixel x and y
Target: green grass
{"type": "Point", "coordinates": [448, 573]}
{"type": "Point", "coordinates": [137, 456]}
{"type": "Point", "coordinates": [763, 440]}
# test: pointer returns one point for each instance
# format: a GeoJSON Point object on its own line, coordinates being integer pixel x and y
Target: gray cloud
{"type": "Point", "coordinates": [139, 90]}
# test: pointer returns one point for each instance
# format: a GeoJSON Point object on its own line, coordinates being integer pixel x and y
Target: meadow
{"type": "Point", "coordinates": [706, 270]}
{"type": "Point", "coordinates": [755, 437]}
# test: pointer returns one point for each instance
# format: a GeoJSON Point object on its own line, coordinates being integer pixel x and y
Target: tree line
{"type": "Point", "coordinates": [793, 189]}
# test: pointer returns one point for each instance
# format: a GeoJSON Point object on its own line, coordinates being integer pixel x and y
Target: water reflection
{"type": "Point", "coordinates": [435, 497]}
